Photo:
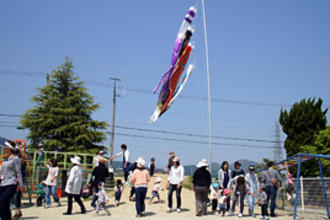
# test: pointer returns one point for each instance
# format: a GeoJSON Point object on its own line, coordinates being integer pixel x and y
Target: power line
{"type": "Point", "coordinates": [146, 91]}
{"type": "Point", "coordinates": [190, 141]}
{"type": "Point", "coordinates": [197, 135]}
{"type": "Point", "coordinates": [10, 115]}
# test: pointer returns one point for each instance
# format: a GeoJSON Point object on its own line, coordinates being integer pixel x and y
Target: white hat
{"type": "Point", "coordinates": [8, 145]}
{"type": "Point", "coordinates": [75, 160]}
{"type": "Point", "coordinates": [176, 159]}
{"type": "Point", "coordinates": [202, 163]}
{"type": "Point", "coordinates": [140, 162]}
{"type": "Point", "coordinates": [158, 180]}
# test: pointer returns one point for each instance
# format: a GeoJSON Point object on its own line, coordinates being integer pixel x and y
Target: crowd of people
{"type": "Point", "coordinates": [223, 194]}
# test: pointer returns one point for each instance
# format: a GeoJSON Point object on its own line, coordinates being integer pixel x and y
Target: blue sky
{"type": "Point", "coordinates": [260, 51]}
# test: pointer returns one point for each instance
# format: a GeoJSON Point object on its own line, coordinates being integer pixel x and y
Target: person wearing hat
{"type": "Point", "coordinates": [155, 190]}
{"type": "Point", "coordinates": [201, 184]}
{"type": "Point", "coordinates": [140, 179]}
{"type": "Point", "coordinates": [10, 179]}
{"type": "Point", "coordinates": [237, 170]}
{"type": "Point", "coordinates": [73, 185]}
{"type": "Point", "coordinates": [171, 157]}
{"type": "Point", "coordinates": [174, 183]}
{"type": "Point", "coordinates": [96, 159]}
{"type": "Point", "coordinates": [214, 194]}
{"type": "Point", "coordinates": [99, 173]}
{"type": "Point", "coordinates": [126, 164]}
{"type": "Point", "coordinates": [272, 180]}
{"type": "Point", "coordinates": [252, 179]}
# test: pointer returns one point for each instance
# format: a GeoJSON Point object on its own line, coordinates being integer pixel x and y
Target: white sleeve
{"type": "Point", "coordinates": [127, 155]}
{"type": "Point", "coordinates": [72, 175]}
{"type": "Point", "coordinates": [170, 176]}
{"type": "Point", "coordinates": [182, 174]}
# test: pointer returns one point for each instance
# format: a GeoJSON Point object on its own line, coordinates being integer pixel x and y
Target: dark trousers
{"type": "Point", "coordinates": [18, 199]}
{"type": "Point", "coordinates": [132, 192]}
{"type": "Point", "coordinates": [264, 210]}
{"type": "Point", "coordinates": [271, 195]}
{"type": "Point", "coordinates": [39, 200]}
{"type": "Point", "coordinates": [94, 199]}
{"type": "Point", "coordinates": [78, 200]}
{"type": "Point", "coordinates": [241, 196]}
{"type": "Point", "coordinates": [6, 194]}
{"type": "Point", "coordinates": [177, 190]}
{"type": "Point", "coordinates": [214, 204]}
{"type": "Point", "coordinates": [140, 195]}
{"type": "Point", "coordinates": [126, 174]}
{"type": "Point", "coordinates": [118, 196]}
{"type": "Point", "coordinates": [228, 204]}
{"type": "Point", "coordinates": [201, 194]}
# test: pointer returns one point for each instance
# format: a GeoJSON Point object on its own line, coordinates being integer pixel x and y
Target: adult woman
{"type": "Point", "coordinates": [18, 195]}
{"type": "Point", "coordinates": [126, 163]}
{"type": "Point", "coordinates": [140, 179]}
{"type": "Point", "coordinates": [224, 177]}
{"type": "Point", "coordinates": [174, 183]}
{"type": "Point", "coordinates": [201, 185]}
{"type": "Point", "coordinates": [10, 176]}
{"type": "Point", "coordinates": [73, 186]}
{"type": "Point", "coordinates": [51, 183]}
{"type": "Point", "coordinates": [99, 174]}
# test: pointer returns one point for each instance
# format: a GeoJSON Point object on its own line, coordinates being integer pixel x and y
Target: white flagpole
{"type": "Point", "coordinates": [208, 87]}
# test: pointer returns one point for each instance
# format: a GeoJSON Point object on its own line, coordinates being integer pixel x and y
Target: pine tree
{"type": "Point", "coordinates": [304, 120]}
{"type": "Point", "coordinates": [61, 117]}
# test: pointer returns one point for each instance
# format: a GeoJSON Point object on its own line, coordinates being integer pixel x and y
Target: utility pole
{"type": "Point", "coordinates": [113, 115]}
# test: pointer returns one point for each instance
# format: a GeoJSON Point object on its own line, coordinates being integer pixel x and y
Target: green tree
{"type": "Point", "coordinates": [321, 146]}
{"type": "Point", "coordinates": [300, 124]}
{"type": "Point", "coordinates": [62, 114]}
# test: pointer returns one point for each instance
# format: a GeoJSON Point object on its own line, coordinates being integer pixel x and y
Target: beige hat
{"type": "Point", "coordinates": [75, 160]}
{"type": "Point", "coordinates": [171, 154]}
{"type": "Point", "coordinates": [202, 163]}
{"type": "Point", "coordinates": [176, 159]}
{"type": "Point", "coordinates": [140, 162]}
{"type": "Point", "coordinates": [158, 180]}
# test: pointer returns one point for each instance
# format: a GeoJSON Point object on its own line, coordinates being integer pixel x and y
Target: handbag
{"type": "Point", "coordinates": [277, 184]}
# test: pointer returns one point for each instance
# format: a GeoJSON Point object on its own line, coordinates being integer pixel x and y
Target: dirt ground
{"type": "Point", "coordinates": [157, 211]}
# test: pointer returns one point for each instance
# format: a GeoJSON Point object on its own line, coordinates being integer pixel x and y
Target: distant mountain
{"type": "Point", "coordinates": [190, 169]}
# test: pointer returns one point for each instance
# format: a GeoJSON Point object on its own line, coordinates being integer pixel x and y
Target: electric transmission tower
{"type": "Point", "coordinates": [278, 151]}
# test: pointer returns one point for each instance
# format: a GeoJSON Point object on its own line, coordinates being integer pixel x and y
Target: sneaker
{"type": "Point", "coordinates": [262, 218]}
{"type": "Point", "coordinates": [267, 217]}
{"type": "Point", "coordinates": [240, 215]}
{"type": "Point", "coordinates": [178, 210]}
{"type": "Point", "coordinates": [47, 206]}
{"type": "Point", "coordinates": [231, 213]}
{"type": "Point", "coordinates": [59, 204]}
{"type": "Point", "coordinates": [199, 213]}
{"type": "Point", "coordinates": [143, 214]}
{"type": "Point", "coordinates": [169, 209]}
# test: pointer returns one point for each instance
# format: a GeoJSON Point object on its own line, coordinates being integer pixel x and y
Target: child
{"type": "Point", "coordinates": [40, 194]}
{"type": "Point", "coordinates": [240, 187]}
{"type": "Point", "coordinates": [262, 201]}
{"type": "Point", "coordinates": [102, 198]}
{"type": "Point", "coordinates": [252, 179]}
{"type": "Point", "coordinates": [223, 201]}
{"type": "Point", "coordinates": [290, 186]}
{"type": "Point", "coordinates": [214, 196]}
{"type": "Point", "coordinates": [118, 189]}
{"type": "Point", "coordinates": [155, 190]}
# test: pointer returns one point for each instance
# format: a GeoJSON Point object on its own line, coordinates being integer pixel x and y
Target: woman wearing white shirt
{"type": "Point", "coordinates": [174, 183]}
{"type": "Point", "coordinates": [73, 186]}
{"type": "Point", "coordinates": [126, 163]}
{"type": "Point", "coordinates": [51, 183]}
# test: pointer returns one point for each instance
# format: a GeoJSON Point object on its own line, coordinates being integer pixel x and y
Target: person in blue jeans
{"type": "Point", "coordinates": [270, 189]}
{"type": "Point", "coordinates": [252, 179]}
{"type": "Point", "coordinates": [51, 183]}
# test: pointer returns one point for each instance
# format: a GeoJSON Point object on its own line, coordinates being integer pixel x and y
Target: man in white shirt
{"type": "Point", "coordinates": [126, 163]}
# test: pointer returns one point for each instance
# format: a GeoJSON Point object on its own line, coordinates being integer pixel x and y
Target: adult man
{"type": "Point", "coordinates": [272, 180]}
